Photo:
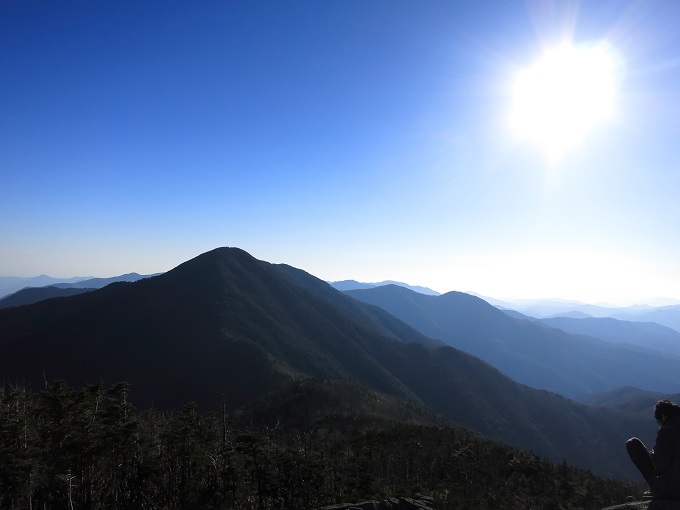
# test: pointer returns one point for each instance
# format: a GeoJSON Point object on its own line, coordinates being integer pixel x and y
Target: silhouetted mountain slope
{"type": "Point", "coordinates": [34, 294]}
{"type": "Point", "coordinates": [220, 321]}
{"type": "Point", "coordinates": [227, 324]}
{"type": "Point", "coordinates": [644, 334]}
{"type": "Point", "coordinates": [527, 351]}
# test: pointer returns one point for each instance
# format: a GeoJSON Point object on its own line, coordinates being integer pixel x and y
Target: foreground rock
{"type": "Point", "coordinates": [418, 502]}
{"type": "Point", "coordinates": [650, 504]}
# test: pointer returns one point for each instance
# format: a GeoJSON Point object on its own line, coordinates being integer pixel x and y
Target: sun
{"type": "Point", "coordinates": [567, 93]}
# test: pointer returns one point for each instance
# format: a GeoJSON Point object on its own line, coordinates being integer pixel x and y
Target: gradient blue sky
{"type": "Point", "coordinates": [355, 139]}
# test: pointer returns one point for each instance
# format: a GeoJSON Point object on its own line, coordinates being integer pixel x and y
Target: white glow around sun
{"type": "Point", "coordinates": [563, 96]}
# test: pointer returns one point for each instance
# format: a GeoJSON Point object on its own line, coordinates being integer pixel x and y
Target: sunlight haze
{"type": "Point", "coordinates": [568, 92]}
{"type": "Point", "coordinates": [511, 149]}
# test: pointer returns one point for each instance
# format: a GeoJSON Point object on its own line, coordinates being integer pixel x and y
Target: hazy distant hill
{"type": "Point", "coordinates": [527, 351]}
{"type": "Point", "coordinates": [665, 315]}
{"type": "Point", "coordinates": [227, 327]}
{"type": "Point", "coordinates": [31, 295]}
{"type": "Point", "coordinates": [572, 315]}
{"type": "Point", "coordinates": [353, 285]}
{"type": "Point", "coordinates": [10, 284]}
{"type": "Point", "coordinates": [668, 315]}
{"type": "Point", "coordinates": [98, 283]}
{"type": "Point", "coordinates": [551, 307]}
{"type": "Point", "coordinates": [649, 335]}
{"type": "Point", "coordinates": [645, 334]}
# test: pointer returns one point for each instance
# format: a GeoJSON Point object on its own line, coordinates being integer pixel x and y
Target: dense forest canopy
{"type": "Point", "coordinates": [90, 448]}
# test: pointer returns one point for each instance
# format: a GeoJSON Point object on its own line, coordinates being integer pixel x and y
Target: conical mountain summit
{"type": "Point", "coordinates": [223, 323]}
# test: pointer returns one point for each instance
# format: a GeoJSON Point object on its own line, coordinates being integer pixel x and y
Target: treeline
{"type": "Point", "coordinates": [90, 449]}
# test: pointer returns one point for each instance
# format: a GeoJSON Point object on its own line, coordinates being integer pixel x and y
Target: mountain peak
{"type": "Point", "coordinates": [222, 270]}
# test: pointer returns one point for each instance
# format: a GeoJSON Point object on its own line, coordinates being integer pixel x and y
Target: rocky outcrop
{"type": "Point", "coordinates": [649, 504]}
{"type": "Point", "coordinates": [418, 502]}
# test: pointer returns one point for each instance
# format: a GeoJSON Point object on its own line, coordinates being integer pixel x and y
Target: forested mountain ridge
{"type": "Point", "coordinates": [227, 328]}
{"type": "Point", "coordinates": [526, 350]}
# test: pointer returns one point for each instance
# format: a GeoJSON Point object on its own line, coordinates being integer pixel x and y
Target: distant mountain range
{"type": "Point", "coordinates": [225, 328]}
{"type": "Point", "coordinates": [668, 315]}
{"type": "Point", "coordinates": [665, 315]}
{"type": "Point", "coordinates": [528, 351]}
{"type": "Point", "coordinates": [649, 335]}
{"type": "Point", "coordinates": [33, 294]}
{"type": "Point", "coordinates": [353, 285]}
{"type": "Point", "coordinates": [11, 284]}
{"type": "Point", "coordinates": [98, 283]}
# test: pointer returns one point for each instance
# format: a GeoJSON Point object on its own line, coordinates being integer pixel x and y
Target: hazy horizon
{"type": "Point", "coordinates": [438, 144]}
{"type": "Point", "coordinates": [653, 301]}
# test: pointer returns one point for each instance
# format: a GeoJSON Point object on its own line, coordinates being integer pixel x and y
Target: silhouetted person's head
{"type": "Point", "coordinates": [664, 410]}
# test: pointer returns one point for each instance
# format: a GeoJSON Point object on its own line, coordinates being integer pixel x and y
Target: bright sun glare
{"type": "Point", "coordinates": [563, 96]}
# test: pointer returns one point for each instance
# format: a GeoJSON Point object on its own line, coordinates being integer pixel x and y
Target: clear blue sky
{"type": "Point", "coordinates": [358, 139]}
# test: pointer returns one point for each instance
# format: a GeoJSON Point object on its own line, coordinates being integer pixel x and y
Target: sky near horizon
{"type": "Point", "coordinates": [361, 139]}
